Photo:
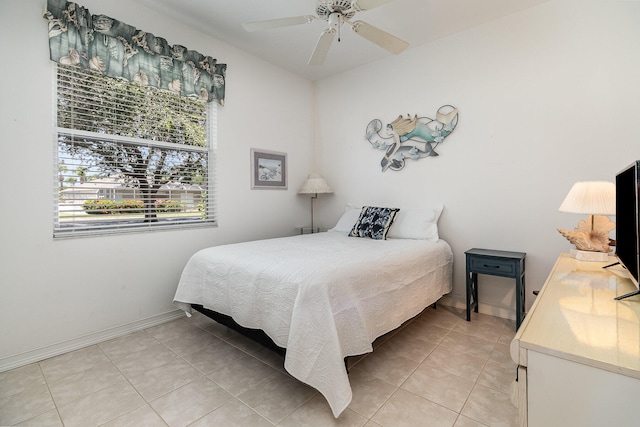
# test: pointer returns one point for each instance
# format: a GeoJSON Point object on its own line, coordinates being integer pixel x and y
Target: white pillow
{"type": "Point", "coordinates": [348, 219]}
{"type": "Point", "coordinates": [417, 223]}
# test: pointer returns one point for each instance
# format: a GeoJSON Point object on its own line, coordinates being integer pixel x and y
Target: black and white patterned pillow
{"type": "Point", "coordinates": [374, 222]}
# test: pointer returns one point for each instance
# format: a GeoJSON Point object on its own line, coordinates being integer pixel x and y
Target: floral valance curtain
{"type": "Point", "coordinates": [111, 47]}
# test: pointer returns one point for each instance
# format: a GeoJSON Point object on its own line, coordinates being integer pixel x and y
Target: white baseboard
{"type": "Point", "coordinates": [460, 302]}
{"type": "Point", "coordinates": [22, 359]}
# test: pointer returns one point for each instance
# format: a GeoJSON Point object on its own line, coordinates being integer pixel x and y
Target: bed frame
{"type": "Point", "coordinates": [257, 335]}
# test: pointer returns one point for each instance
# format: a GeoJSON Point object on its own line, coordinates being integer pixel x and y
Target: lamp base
{"type": "Point", "coordinates": [589, 255]}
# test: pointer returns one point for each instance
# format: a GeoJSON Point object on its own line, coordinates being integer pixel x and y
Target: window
{"type": "Point", "coordinates": [130, 157]}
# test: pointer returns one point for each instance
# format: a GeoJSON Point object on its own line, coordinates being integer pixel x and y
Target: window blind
{"type": "Point", "coordinates": [130, 157]}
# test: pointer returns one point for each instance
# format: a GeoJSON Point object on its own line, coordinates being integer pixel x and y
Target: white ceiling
{"type": "Point", "coordinates": [415, 21]}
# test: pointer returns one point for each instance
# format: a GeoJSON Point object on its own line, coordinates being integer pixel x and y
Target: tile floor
{"type": "Point", "coordinates": [436, 370]}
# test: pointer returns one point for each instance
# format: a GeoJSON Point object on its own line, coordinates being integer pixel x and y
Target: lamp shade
{"type": "Point", "coordinates": [591, 198]}
{"type": "Point", "coordinates": [315, 184]}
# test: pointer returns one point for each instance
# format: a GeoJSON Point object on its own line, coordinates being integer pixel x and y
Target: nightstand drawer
{"type": "Point", "coordinates": [492, 266]}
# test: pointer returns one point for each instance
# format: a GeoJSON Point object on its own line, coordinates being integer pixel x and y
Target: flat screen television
{"type": "Point", "coordinates": [628, 221]}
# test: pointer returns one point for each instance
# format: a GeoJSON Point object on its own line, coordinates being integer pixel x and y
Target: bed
{"type": "Point", "coordinates": [324, 296]}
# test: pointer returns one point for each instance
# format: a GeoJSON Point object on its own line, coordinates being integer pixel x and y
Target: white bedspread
{"type": "Point", "coordinates": [321, 296]}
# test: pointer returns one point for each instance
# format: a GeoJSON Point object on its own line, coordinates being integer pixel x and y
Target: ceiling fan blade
{"type": "Point", "coordinates": [277, 23]}
{"type": "Point", "coordinates": [379, 37]}
{"type": "Point", "coordinates": [322, 47]}
{"type": "Point", "coordinates": [369, 4]}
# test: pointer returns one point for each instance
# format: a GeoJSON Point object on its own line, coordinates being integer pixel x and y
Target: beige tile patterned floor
{"type": "Point", "coordinates": [436, 370]}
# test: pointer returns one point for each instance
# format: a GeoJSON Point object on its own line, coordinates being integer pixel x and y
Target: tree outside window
{"type": "Point", "coordinates": [129, 156]}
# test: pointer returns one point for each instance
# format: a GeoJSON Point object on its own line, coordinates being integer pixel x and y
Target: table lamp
{"type": "Point", "coordinates": [595, 199]}
{"type": "Point", "coordinates": [314, 184]}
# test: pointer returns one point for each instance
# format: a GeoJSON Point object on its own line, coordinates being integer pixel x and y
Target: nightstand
{"type": "Point", "coordinates": [308, 230]}
{"type": "Point", "coordinates": [495, 263]}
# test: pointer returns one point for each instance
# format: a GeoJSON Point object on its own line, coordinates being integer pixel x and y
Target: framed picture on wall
{"type": "Point", "coordinates": [268, 169]}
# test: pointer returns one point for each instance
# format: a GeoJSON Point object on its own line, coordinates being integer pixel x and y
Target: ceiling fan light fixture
{"type": "Point", "coordinates": [335, 20]}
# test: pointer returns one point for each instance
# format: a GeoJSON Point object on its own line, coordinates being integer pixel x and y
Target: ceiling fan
{"type": "Point", "coordinates": [337, 12]}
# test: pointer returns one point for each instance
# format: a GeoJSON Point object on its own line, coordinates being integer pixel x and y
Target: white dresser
{"type": "Point", "coordinates": [578, 349]}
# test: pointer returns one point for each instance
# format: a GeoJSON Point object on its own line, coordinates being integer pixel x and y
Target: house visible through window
{"type": "Point", "coordinates": [130, 157]}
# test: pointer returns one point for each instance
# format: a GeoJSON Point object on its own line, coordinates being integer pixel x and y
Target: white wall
{"type": "Point", "coordinates": [546, 97]}
{"type": "Point", "coordinates": [56, 295]}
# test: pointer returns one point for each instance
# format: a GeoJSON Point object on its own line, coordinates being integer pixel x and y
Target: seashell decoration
{"type": "Point", "coordinates": [175, 86]}
{"type": "Point", "coordinates": [595, 241]}
{"type": "Point", "coordinates": [142, 78]}
{"type": "Point", "coordinates": [592, 234]}
{"type": "Point", "coordinates": [72, 59]}
{"type": "Point", "coordinates": [97, 64]}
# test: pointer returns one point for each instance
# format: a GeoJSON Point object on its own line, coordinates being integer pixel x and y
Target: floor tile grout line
{"type": "Point", "coordinates": [297, 407]}
{"type": "Point", "coordinates": [265, 379]}
{"type": "Point", "coordinates": [55, 405]}
{"type": "Point", "coordinates": [200, 372]}
{"type": "Point", "coordinates": [206, 375]}
{"type": "Point", "coordinates": [230, 343]}
{"type": "Point", "coordinates": [475, 384]}
{"type": "Point", "coordinates": [450, 329]}
{"type": "Point", "coordinates": [128, 380]}
{"type": "Point", "coordinates": [421, 397]}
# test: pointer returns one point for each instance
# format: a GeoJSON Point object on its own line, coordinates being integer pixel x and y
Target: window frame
{"type": "Point", "coordinates": [135, 225]}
